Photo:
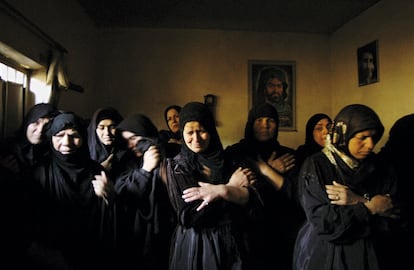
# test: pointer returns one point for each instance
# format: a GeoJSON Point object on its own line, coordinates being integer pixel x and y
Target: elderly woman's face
{"type": "Point", "coordinates": [196, 137]}
{"type": "Point", "coordinates": [105, 130]}
{"type": "Point", "coordinates": [362, 144]}
{"type": "Point", "coordinates": [264, 128]}
{"type": "Point", "coordinates": [34, 131]}
{"type": "Point", "coordinates": [67, 141]}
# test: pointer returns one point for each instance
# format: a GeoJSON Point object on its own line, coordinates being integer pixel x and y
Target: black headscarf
{"type": "Point", "coordinates": [264, 148]}
{"type": "Point", "coordinates": [212, 157]}
{"type": "Point", "coordinates": [401, 138]}
{"type": "Point", "coordinates": [41, 110]}
{"type": "Point", "coordinates": [310, 126]}
{"type": "Point", "coordinates": [27, 153]}
{"type": "Point", "coordinates": [310, 146]}
{"type": "Point", "coordinates": [97, 149]}
{"type": "Point", "coordinates": [178, 109]}
{"type": "Point", "coordinates": [64, 121]}
{"type": "Point", "coordinates": [141, 125]}
{"type": "Point", "coordinates": [260, 110]}
{"type": "Point", "coordinates": [399, 143]}
{"type": "Point", "coordinates": [70, 214]}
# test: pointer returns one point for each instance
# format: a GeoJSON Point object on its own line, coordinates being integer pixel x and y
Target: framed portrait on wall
{"type": "Point", "coordinates": [274, 82]}
{"type": "Point", "coordinates": [367, 59]}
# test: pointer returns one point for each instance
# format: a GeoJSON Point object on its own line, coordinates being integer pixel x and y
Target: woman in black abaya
{"type": "Point", "coordinates": [104, 145]}
{"type": "Point", "coordinates": [278, 216]}
{"type": "Point", "coordinates": [69, 210]}
{"type": "Point", "coordinates": [203, 198]}
{"type": "Point", "coordinates": [18, 155]}
{"type": "Point", "coordinates": [147, 220]}
{"type": "Point", "coordinates": [347, 194]}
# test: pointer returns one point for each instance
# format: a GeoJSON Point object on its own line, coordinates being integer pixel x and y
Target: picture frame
{"type": "Point", "coordinates": [368, 64]}
{"type": "Point", "coordinates": [266, 77]}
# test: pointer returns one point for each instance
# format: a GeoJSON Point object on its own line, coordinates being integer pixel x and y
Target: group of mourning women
{"type": "Point", "coordinates": [114, 193]}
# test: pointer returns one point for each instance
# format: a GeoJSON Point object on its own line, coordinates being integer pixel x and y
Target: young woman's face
{"type": "Point", "coordinates": [105, 130]}
{"type": "Point", "coordinates": [362, 144]}
{"type": "Point", "coordinates": [196, 137]}
{"type": "Point", "coordinates": [67, 141]}
{"type": "Point", "coordinates": [34, 131]}
{"type": "Point", "coordinates": [320, 131]}
{"type": "Point", "coordinates": [264, 128]}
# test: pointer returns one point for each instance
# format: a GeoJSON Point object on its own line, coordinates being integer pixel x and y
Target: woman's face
{"type": "Point", "coordinates": [105, 130]}
{"type": "Point", "coordinates": [196, 137]}
{"type": "Point", "coordinates": [362, 144]}
{"type": "Point", "coordinates": [34, 131]}
{"type": "Point", "coordinates": [320, 131]}
{"type": "Point", "coordinates": [264, 128]}
{"type": "Point", "coordinates": [173, 120]}
{"type": "Point", "coordinates": [67, 141]}
{"type": "Point", "coordinates": [132, 140]}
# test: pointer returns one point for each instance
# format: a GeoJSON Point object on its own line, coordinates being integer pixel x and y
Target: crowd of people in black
{"type": "Point", "coordinates": [119, 193]}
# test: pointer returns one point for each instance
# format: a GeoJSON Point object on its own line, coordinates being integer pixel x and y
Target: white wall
{"type": "Point", "coordinates": [144, 70]}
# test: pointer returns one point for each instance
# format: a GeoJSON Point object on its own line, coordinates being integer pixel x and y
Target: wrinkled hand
{"type": "Point", "coordinates": [342, 195]}
{"type": "Point", "coordinates": [152, 158]}
{"type": "Point", "coordinates": [283, 163]}
{"type": "Point", "coordinates": [242, 177]}
{"type": "Point", "coordinates": [382, 205]}
{"type": "Point", "coordinates": [103, 187]}
{"type": "Point", "coordinates": [206, 192]}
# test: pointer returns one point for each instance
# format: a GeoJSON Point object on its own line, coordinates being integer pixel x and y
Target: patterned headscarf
{"type": "Point", "coordinates": [352, 119]}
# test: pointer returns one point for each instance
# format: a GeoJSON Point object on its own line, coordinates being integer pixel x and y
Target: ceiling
{"type": "Point", "coordinates": [303, 16]}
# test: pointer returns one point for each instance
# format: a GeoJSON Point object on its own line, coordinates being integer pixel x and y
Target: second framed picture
{"type": "Point", "coordinates": [274, 82]}
{"type": "Point", "coordinates": [367, 58]}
